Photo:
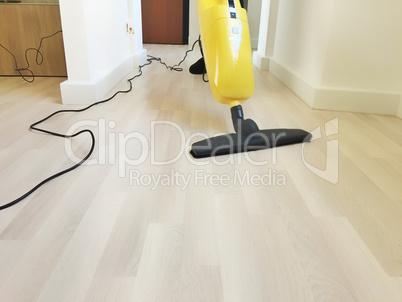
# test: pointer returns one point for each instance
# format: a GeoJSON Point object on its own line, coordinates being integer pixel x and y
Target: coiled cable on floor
{"type": "Point", "coordinates": [35, 127]}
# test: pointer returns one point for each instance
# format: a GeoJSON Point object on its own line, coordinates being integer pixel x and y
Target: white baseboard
{"type": "Point", "coordinates": [140, 58]}
{"type": "Point", "coordinates": [338, 99]}
{"type": "Point", "coordinates": [399, 114]}
{"type": "Point", "coordinates": [260, 61]}
{"type": "Point", "coordinates": [357, 101]}
{"type": "Point", "coordinates": [74, 92]}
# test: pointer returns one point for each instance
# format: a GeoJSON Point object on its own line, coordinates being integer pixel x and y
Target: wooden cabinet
{"type": "Point", "coordinates": [21, 27]}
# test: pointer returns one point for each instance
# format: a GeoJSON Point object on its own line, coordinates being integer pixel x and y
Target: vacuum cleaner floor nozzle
{"type": "Point", "coordinates": [237, 143]}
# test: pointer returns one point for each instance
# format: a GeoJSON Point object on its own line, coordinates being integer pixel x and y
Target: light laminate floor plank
{"type": "Point", "coordinates": [314, 222]}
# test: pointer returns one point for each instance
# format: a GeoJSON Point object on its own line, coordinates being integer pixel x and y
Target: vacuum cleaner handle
{"type": "Point", "coordinates": [227, 50]}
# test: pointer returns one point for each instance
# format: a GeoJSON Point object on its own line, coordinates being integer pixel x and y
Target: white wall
{"type": "Point", "coordinates": [302, 36]}
{"type": "Point", "coordinates": [193, 30]}
{"type": "Point", "coordinates": [98, 49]}
{"type": "Point", "coordinates": [338, 54]}
{"type": "Point", "coordinates": [254, 14]}
{"type": "Point", "coordinates": [135, 21]}
{"type": "Point", "coordinates": [267, 33]}
{"type": "Point", "coordinates": [366, 44]}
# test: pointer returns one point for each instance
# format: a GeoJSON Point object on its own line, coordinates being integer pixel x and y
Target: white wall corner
{"type": "Point", "coordinates": [140, 58]}
{"type": "Point", "coordinates": [74, 92]}
{"type": "Point", "coordinates": [254, 43]}
{"type": "Point", "coordinates": [399, 114]}
{"type": "Point", "coordinates": [254, 15]}
{"type": "Point", "coordinates": [300, 87]}
{"type": "Point", "coordinates": [260, 61]}
{"type": "Point", "coordinates": [194, 31]}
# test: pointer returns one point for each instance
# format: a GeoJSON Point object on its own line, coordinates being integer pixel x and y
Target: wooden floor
{"type": "Point", "coordinates": [314, 222]}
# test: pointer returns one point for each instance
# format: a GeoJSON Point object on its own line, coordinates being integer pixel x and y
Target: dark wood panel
{"type": "Point", "coordinates": [162, 21]}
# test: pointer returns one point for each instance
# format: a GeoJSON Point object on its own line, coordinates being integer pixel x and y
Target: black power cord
{"type": "Point", "coordinates": [150, 59]}
{"type": "Point", "coordinates": [38, 58]}
{"type": "Point", "coordinates": [203, 76]}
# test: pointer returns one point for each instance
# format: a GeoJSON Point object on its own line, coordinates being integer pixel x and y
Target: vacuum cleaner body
{"type": "Point", "coordinates": [227, 51]}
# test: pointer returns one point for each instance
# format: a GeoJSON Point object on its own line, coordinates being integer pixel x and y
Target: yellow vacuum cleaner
{"type": "Point", "coordinates": [226, 47]}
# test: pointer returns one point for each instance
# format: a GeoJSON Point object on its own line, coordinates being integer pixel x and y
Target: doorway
{"type": "Point", "coordinates": [165, 21]}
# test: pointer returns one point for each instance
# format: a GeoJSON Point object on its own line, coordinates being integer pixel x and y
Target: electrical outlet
{"type": "Point", "coordinates": [129, 28]}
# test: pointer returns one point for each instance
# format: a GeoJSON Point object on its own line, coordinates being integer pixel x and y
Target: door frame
{"type": "Point", "coordinates": [186, 21]}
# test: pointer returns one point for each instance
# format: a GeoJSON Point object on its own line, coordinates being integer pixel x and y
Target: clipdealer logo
{"type": "Point", "coordinates": [331, 171]}
{"type": "Point", "coordinates": [112, 149]}
{"type": "Point", "coordinates": [200, 177]}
